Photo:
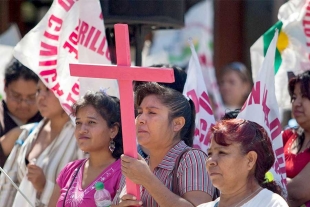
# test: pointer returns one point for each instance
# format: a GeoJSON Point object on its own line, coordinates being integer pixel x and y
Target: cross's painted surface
{"type": "Point", "coordinates": [125, 74]}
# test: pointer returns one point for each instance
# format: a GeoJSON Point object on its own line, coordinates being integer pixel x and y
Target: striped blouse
{"type": "Point", "coordinates": [192, 175]}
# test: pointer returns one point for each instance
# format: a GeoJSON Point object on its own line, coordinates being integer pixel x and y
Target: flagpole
{"type": "Point", "coordinates": [16, 187]}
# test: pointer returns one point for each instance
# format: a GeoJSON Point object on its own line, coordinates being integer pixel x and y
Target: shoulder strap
{"type": "Point", "coordinates": [175, 185]}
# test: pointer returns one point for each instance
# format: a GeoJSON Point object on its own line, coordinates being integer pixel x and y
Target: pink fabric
{"type": "Point", "coordinates": [85, 197]}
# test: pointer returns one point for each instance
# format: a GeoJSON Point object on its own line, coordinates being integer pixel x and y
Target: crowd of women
{"type": "Point", "coordinates": [57, 163]}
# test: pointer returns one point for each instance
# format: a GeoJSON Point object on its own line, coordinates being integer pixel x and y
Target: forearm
{"type": "Point", "coordinates": [162, 195]}
{"type": "Point", "coordinates": [295, 199]}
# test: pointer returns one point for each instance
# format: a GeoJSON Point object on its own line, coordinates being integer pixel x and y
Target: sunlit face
{"type": "Point", "coordinates": [233, 89]}
{"type": "Point", "coordinates": [21, 99]}
{"type": "Point", "coordinates": [301, 108]}
{"type": "Point", "coordinates": [227, 167]}
{"type": "Point", "coordinates": [92, 131]}
{"type": "Point", "coordinates": [152, 126]}
{"type": "Point", "coordinates": [47, 102]}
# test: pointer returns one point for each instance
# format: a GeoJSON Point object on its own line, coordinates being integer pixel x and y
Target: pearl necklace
{"type": "Point", "coordinates": [248, 196]}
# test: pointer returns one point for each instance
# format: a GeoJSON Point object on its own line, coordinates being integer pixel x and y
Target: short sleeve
{"type": "Point", "coordinates": [60, 178]}
{"type": "Point", "coordinates": [286, 135]}
{"type": "Point", "coordinates": [192, 173]}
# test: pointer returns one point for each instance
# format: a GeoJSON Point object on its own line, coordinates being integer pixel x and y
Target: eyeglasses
{"type": "Point", "coordinates": [18, 99]}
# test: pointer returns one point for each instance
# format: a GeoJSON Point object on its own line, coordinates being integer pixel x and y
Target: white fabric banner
{"type": "Point", "coordinates": [70, 32]}
{"type": "Point", "coordinates": [196, 90]}
{"type": "Point", "coordinates": [293, 47]}
{"type": "Point", "coordinates": [262, 107]}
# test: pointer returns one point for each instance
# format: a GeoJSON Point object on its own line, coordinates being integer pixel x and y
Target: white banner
{"type": "Point", "coordinates": [292, 48]}
{"type": "Point", "coordinates": [70, 32]}
{"type": "Point", "coordinates": [262, 107]}
{"type": "Point", "coordinates": [196, 90]}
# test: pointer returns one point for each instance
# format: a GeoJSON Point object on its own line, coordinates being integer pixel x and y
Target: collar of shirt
{"type": "Point", "coordinates": [169, 160]}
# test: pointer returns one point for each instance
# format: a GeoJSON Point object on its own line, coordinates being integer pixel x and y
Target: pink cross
{"type": "Point", "coordinates": [125, 74]}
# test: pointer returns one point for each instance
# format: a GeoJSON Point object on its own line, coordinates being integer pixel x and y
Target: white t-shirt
{"type": "Point", "coordinates": [265, 198]}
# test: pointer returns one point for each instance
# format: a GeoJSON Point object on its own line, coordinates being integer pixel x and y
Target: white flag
{"type": "Point", "coordinates": [292, 48]}
{"type": "Point", "coordinates": [262, 107]}
{"type": "Point", "coordinates": [196, 90]}
{"type": "Point", "coordinates": [70, 32]}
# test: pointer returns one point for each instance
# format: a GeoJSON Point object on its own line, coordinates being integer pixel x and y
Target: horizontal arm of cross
{"type": "Point", "coordinates": [122, 72]}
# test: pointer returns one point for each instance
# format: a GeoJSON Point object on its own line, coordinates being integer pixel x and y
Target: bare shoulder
{"type": "Point", "coordinates": [12, 134]}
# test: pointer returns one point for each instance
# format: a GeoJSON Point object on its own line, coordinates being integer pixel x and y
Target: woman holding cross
{"type": "Point", "coordinates": [164, 126]}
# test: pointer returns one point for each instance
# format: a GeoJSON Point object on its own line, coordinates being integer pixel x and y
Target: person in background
{"type": "Point", "coordinates": [296, 142]}
{"type": "Point", "coordinates": [40, 155]}
{"type": "Point", "coordinates": [165, 127]}
{"type": "Point", "coordinates": [235, 84]}
{"type": "Point", "coordinates": [19, 106]}
{"type": "Point", "coordinates": [178, 85]}
{"type": "Point", "coordinates": [239, 157]}
{"type": "Point", "coordinates": [98, 132]}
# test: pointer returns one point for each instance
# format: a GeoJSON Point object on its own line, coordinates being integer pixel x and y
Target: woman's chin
{"type": "Point", "coordinates": [143, 141]}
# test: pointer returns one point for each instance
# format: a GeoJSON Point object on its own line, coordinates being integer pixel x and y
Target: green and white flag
{"type": "Point", "coordinates": [292, 49]}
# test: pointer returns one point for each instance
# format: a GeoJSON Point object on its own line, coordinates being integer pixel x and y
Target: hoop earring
{"type": "Point", "coordinates": [112, 146]}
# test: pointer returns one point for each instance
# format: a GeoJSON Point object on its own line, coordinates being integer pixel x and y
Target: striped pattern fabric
{"type": "Point", "coordinates": [192, 175]}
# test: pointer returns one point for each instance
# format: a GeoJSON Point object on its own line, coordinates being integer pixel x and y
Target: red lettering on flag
{"type": "Point", "coordinates": [57, 89]}
{"type": "Point", "coordinates": [82, 32]}
{"type": "Point", "coordinates": [55, 23]}
{"type": "Point", "coordinates": [255, 94]}
{"type": "Point", "coordinates": [48, 63]}
{"type": "Point", "coordinates": [95, 39]}
{"type": "Point", "coordinates": [266, 110]}
{"type": "Point", "coordinates": [51, 75]}
{"type": "Point", "coordinates": [275, 128]}
{"type": "Point", "coordinates": [51, 36]}
{"type": "Point", "coordinates": [192, 95]}
{"type": "Point", "coordinates": [204, 102]}
{"type": "Point", "coordinates": [89, 36]}
{"type": "Point", "coordinates": [50, 50]}
{"type": "Point", "coordinates": [71, 48]}
{"type": "Point", "coordinates": [66, 4]}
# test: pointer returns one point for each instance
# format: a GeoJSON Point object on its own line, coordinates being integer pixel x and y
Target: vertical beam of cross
{"type": "Point", "coordinates": [125, 74]}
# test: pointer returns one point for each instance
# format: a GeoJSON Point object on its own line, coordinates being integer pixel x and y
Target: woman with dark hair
{"type": "Point", "coordinates": [235, 85]}
{"type": "Point", "coordinates": [98, 132]}
{"type": "Point", "coordinates": [19, 107]}
{"type": "Point", "coordinates": [41, 151]}
{"type": "Point", "coordinates": [296, 142]}
{"type": "Point", "coordinates": [239, 156]}
{"type": "Point", "coordinates": [165, 126]}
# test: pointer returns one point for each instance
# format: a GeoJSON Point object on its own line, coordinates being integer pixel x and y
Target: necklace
{"type": "Point", "coordinates": [248, 197]}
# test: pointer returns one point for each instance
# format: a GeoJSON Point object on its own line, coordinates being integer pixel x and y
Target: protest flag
{"type": "Point", "coordinates": [261, 107]}
{"type": "Point", "coordinates": [70, 32]}
{"type": "Point", "coordinates": [196, 90]}
{"type": "Point", "coordinates": [292, 48]}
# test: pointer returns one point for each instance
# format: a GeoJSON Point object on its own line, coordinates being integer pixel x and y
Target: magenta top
{"type": "Point", "coordinates": [72, 175]}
